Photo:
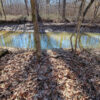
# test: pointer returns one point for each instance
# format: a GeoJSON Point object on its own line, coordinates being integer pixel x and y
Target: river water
{"type": "Point", "coordinates": [48, 40]}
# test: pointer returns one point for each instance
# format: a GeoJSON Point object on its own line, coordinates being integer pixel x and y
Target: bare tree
{"type": "Point", "coordinates": [82, 13]}
{"type": "Point", "coordinates": [64, 10]}
{"type": "Point", "coordinates": [38, 15]}
{"type": "Point", "coordinates": [36, 28]}
{"type": "Point", "coordinates": [58, 10]}
{"type": "Point", "coordinates": [53, 9]}
{"type": "Point", "coordinates": [79, 21]}
{"type": "Point", "coordinates": [59, 7]}
{"type": "Point", "coordinates": [97, 6]}
{"type": "Point", "coordinates": [47, 7]}
{"type": "Point", "coordinates": [3, 9]}
{"type": "Point", "coordinates": [87, 8]}
{"type": "Point", "coordinates": [26, 1]}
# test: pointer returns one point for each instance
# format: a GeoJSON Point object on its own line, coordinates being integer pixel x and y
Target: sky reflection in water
{"type": "Point", "coordinates": [48, 40]}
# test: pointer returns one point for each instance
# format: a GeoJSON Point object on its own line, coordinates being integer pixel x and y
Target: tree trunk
{"type": "Point", "coordinates": [59, 11]}
{"type": "Point", "coordinates": [36, 28]}
{"type": "Point", "coordinates": [47, 8]}
{"type": "Point", "coordinates": [38, 15]}
{"type": "Point", "coordinates": [59, 7]}
{"type": "Point", "coordinates": [97, 6]}
{"type": "Point", "coordinates": [79, 21]}
{"type": "Point", "coordinates": [26, 7]}
{"type": "Point", "coordinates": [3, 9]}
{"type": "Point", "coordinates": [87, 8]}
{"type": "Point", "coordinates": [64, 10]}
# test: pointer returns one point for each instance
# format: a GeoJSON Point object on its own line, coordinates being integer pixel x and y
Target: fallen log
{"type": "Point", "coordinates": [3, 52]}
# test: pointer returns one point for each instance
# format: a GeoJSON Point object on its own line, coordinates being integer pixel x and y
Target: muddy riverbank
{"type": "Point", "coordinates": [49, 27]}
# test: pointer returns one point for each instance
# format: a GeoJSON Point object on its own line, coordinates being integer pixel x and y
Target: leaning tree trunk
{"type": "Point", "coordinates": [79, 21]}
{"type": "Point", "coordinates": [36, 28]}
{"type": "Point", "coordinates": [87, 8]}
{"type": "Point", "coordinates": [26, 7]}
{"type": "Point", "coordinates": [3, 9]}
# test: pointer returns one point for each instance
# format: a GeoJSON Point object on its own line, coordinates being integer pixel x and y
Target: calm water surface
{"type": "Point", "coordinates": [48, 40]}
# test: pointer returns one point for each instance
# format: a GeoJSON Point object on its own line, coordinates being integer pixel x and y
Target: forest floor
{"type": "Point", "coordinates": [60, 75]}
{"type": "Point", "coordinates": [49, 27]}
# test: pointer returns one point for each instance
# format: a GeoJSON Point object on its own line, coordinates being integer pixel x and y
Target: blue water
{"type": "Point", "coordinates": [48, 40]}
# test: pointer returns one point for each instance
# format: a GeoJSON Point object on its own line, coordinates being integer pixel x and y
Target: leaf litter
{"type": "Point", "coordinates": [60, 75]}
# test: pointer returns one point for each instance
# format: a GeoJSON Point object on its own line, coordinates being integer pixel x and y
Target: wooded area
{"type": "Point", "coordinates": [57, 73]}
{"type": "Point", "coordinates": [50, 10]}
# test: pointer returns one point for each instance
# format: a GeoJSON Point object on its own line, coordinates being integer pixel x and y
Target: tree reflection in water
{"type": "Point", "coordinates": [49, 40]}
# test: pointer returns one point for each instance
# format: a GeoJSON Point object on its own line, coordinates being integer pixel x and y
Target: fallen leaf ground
{"type": "Point", "coordinates": [60, 75]}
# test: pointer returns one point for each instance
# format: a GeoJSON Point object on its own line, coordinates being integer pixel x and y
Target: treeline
{"type": "Point", "coordinates": [50, 10]}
